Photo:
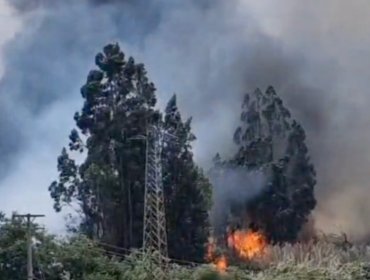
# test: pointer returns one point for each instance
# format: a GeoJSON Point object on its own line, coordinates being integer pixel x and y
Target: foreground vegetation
{"type": "Point", "coordinates": [78, 257]}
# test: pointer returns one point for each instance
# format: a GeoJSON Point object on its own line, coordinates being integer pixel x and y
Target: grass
{"type": "Point", "coordinates": [321, 259]}
{"type": "Point", "coordinates": [327, 258]}
{"type": "Point", "coordinates": [314, 260]}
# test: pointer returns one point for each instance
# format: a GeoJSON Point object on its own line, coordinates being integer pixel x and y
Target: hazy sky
{"type": "Point", "coordinates": [316, 54]}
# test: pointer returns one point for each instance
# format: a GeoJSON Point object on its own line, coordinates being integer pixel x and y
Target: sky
{"type": "Point", "coordinates": [208, 52]}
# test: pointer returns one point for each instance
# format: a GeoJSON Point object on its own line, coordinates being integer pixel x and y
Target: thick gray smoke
{"type": "Point", "coordinates": [210, 53]}
{"type": "Point", "coordinates": [233, 187]}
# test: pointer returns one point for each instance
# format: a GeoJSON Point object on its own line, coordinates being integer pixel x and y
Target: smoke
{"type": "Point", "coordinates": [45, 65]}
{"type": "Point", "coordinates": [332, 37]}
{"type": "Point", "coordinates": [210, 53]}
{"type": "Point", "coordinates": [233, 187]}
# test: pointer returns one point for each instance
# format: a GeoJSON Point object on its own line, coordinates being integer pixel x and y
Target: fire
{"type": "Point", "coordinates": [211, 249]}
{"type": "Point", "coordinates": [221, 263]}
{"type": "Point", "coordinates": [247, 243]}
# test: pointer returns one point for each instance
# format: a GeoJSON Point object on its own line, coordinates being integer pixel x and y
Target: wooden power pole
{"type": "Point", "coordinates": [29, 218]}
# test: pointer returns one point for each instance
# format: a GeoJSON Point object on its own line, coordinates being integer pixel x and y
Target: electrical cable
{"type": "Point", "coordinates": [140, 252]}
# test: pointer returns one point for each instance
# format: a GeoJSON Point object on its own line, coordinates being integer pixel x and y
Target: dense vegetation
{"type": "Point", "coordinates": [79, 258]}
{"type": "Point", "coordinates": [108, 186]}
{"type": "Point", "coordinates": [270, 141]}
{"type": "Point", "coordinates": [119, 103]}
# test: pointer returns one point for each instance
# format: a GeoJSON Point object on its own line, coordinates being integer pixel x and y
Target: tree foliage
{"type": "Point", "coordinates": [79, 258]}
{"type": "Point", "coordinates": [187, 191]}
{"type": "Point", "coordinates": [269, 140]}
{"type": "Point", "coordinates": [54, 259]}
{"type": "Point", "coordinates": [12, 249]}
{"type": "Point", "coordinates": [119, 103]}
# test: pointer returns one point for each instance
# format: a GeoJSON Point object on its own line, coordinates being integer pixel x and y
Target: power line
{"type": "Point", "coordinates": [125, 261]}
{"type": "Point", "coordinates": [110, 253]}
{"type": "Point", "coordinates": [141, 252]}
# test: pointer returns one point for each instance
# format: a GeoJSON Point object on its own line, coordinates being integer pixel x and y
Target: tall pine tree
{"type": "Point", "coordinates": [109, 185]}
{"type": "Point", "coordinates": [270, 141]}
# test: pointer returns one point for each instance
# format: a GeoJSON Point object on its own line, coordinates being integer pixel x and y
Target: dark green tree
{"type": "Point", "coordinates": [270, 141]}
{"type": "Point", "coordinates": [13, 248]}
{"type": "Point", "coordinates": [74, 258]}
{"type": "Point", "coordinates": [109, 185]}
{"type": "Point", "coordinates": [187, 191]}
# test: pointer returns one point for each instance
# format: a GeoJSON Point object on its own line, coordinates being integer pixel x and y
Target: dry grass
{"type": "Point", "coordinates": [316, 254]}
{"type": "Point", "coordinates": [321, 259]}
{"type": "Point", "coordinates": [329, 257]}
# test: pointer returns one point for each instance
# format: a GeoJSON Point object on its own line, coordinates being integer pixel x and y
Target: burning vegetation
{"type": "Point", "coordinates": [243, 245]}
{"type": "Point", "coordinates": [214, 255]}
{"type": "Point", "coordinates": [263, 194]}
{"type": "Point", "coordinates": [268, 183]}
{"type": "Point", "coordinates": [247, 243]}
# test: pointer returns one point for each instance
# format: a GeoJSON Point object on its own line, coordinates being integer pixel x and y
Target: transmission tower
{"type": "Point", "coordinates": [155, 235]}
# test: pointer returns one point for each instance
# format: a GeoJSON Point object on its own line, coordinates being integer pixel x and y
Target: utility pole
{"type": "Point", "coordinates": [29, 218]}
{"type": "Point", "coordinates": [155, 234]}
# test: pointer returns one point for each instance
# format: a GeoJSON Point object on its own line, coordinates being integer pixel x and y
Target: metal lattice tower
{"type": "Point", "coordinates": [155, 235]}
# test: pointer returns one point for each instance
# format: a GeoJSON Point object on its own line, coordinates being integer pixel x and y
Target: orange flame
{"type": "Point", "coordinates": [211, 248]}
{"type": "Point", "coordinates": [247, 244]}
{"type": "Point", "coordinates": [221, 264]}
